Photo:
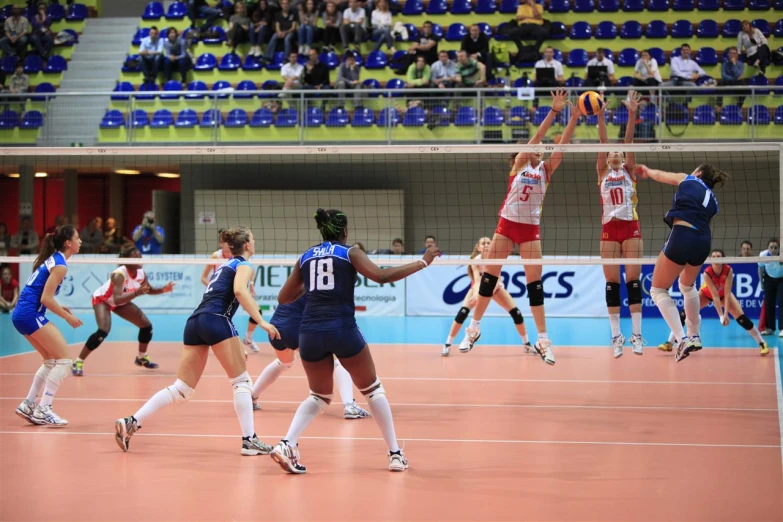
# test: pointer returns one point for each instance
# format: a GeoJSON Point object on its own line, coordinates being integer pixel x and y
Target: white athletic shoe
{"type": "Point", "coordinates": [529, 349]}
{"type": "Point", "coordinates": [617, 344]}
{"type": "Point", "coordinates": [446, 350]}
{"type": "Point", "coordinates": [544, 349]}
{"type": "Point", "coordinates": [256, 405]}
{"type": "Point", "coordinates": [471, 337]}
{"type": "Point", "coordinates": [26, 411]}
{"type": "Point", "coordinates": [288, 457]}
{"type": "Point", "coordinates": [695, 343]}
{"type": "Point", "coordinates": [251, 344]}
{"type": "Point", "coordinates": [45, 416]}
{"type": "Point", "coordinates": [638, 344]}
{"type": "Point", "coordinates": [124, 430]}
{"type": "Point", "coordinates": [252, 446]}
{"type": "Point", "coordinates": [684, 349]}
{"type": "Point", "coordinates": [353, 411]}
{"type": "Point", "coordinates": [397, 461]}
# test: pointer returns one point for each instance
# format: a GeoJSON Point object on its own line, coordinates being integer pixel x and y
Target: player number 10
{"type": "Point", "coordinates": [617, 196]}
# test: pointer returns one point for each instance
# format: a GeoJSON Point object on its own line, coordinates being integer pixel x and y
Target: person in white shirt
{"type": "Point", "coordinates": [755, 45]}
{"type": "Point", "coordinates": [292, 72]}
{"type": "Point", "coordinates": [444, 72]}
{"type": "Point", "coordinates": [549, 62]}
{"type": "Point", "coordinates": [684, 71]}
{"type": "Point", "coordinates": [354, 21]}
{"type": "Point", "coordinates": [151, 53]}
{"type": "Point", "coordinates": [645, 72]}
{"type": "Point", "coordinates": [600, 60]}
{"type": "Point", "coordinates": [382, 26]}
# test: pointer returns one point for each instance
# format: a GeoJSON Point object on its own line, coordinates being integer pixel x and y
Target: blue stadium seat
{"type": "Point", "coordinates": [9, 120]}
{"type": "Point", "coordinates": [55, 64]}
{"type": "Point", "coordinates": [624, 81]}
{"type": "Point", "coordinates": [33, 64]}
{"type": "Point", "coordinates": [236, 118]}
{"type": "Point", "coordinates": [778, 5]}
{"type": "Point", "coordinates": [656, 29]}
{"type": "Point", "coordinates": [733, 5]}
{"type": "Point", "coordinates": [112, 119]}
{"type": "Point", "coordinates": [132, 57]}
{"type": "Point", "coordinates": [677, 114]}
{"type": "Point", "coordinates": [608, 6]}
{"type": "Point", "coordinates": [388, 117]}
{"type": "Point", "coordinates": [147, 87]}
{"type": "Point", "coordinates": [395, 84]}
{"type": "Point", "coordinates": [262, 118]}
{"type": "Point", "coordinates": [707, 29]}
{"type": "Point", "coordinates": [372, 83]}
{"type": "Point", "coordinates": [77, 13]}
{"type": "Point", "coordinates": [606, 31]}
{"type": "Point", "coordinates": [331, 59]}
{"type": "Point", "coordinates": [56, 12]}
{"type": "Point", "coordinates": [376, 60]}
{"type": "Point", "coordinates": [270, 86]}
{"type": "Point", "coordinates": [518, 117]}
{"type": "Point", "coordinates": [493, 117]}
{"type": "Point", "coordinates": [279, 58]}
{"type": "Point", "coordinates": [779, 115]}
{"type": "Point", "coordinates": [122, 87]}
{"type": "Point", "coordinates": [708, 5]}
{"type": "Point", "coordinates": [763, 26]}
{"type": "Point", "coordinates": [581, 31]}
{"type": "Point", "coordinates": [759, 5]}
{"type": "Point", "coordinates": [437, 7]}
{"type": "Point", "coordinates": [177, 11]}
{"type": "Point", "coordinates": [658, 5]}
{"type": "Point", "coordinates": [363, 117]}
{"type": "Point", "coordinates": [211, 118]}
{"type": "Point", "coordinates": [577, 58]}
{"type": "Point", "coordinates": [9, 64]}
{"type": "Point", "coordinates": [683, 5]}
{"type": "Point", "coordinates": [34, 120]}
{"type": "Point", "coordinates": [779, 82]}
{"type": "Point", "coordinates": [466, 117]}
{"type": "Point", "coordinates": [461, 7]}
{"type": "Point", "coordinates": [230, 62]}
{"type": "Point", "coordinates": [357, 56]}
{"type": "Point", "coordinates": [456, 32]}
{"type": "Point", "coordinates": [314, 117]}
{"type": "Point", "coordinates": [731, 115]}
{"type": "Point", "coordinates": [682, 29]}
{"type": "Point", "coordinates": [649, 113]}
{"type": "Point", "coordinates": [759, 115]}
{"type": "Point", "coordinates": [196, 85]}
{"type": "Point", "coordinates": [559, 31]}
{"type": "Point", "coordinates": [707, 56]}
{"type": "Point", "coordinates": [524, 81]}
{"type": "Point", "coordinates": [171, 86]}
{"type": "Point", "coordinates": [162, 119]}
{"type": "Point", "coordinates": [575, 82]}
{"type": "Point", "coordinates": [221, 85]}
{"type": "Point", "coordinates": [778, 29]}
{"type": "Point", "coordinates": [540, 115]}
{"type": "Point", "coordinates": [631, 30]}
{"type": "Point", "coordinates": [186, 119]}
{"type": "Point", "coordinates": [704, 115]}
{"type": "Point", "coordinates": [437, 31]}
{"type": "Point", "coordinates": [559, 6]}
{"type": "Point", "coordinates": [627, 57]}
{"type": "Point", "coordinates": [48, 88]}
{"type": "Point", "coordinates": [485, 28]}
{"type": "Point", "coordinates": [205, 62]}
{"type": "Point", "coordinates": [558, 55]}
{"type": "Point", "coordinates": [153, 11]}
{"type": "Point", "coordinates": [414, 117]}
{"type": "Point", "coordinates": [759, 81]}
{"type": "Point", "coordinates": [242, 87]}
{"type": "Point", "coordinates": [633, 6]}
{"type": "Point", "coordinates": [509, 6]}
{"type": "Point", "coordinates": [731, 28]}
{"type": "Point", "coordinates": [139, 119]}
{"type": "Point", "coordinates": [413, 7]}
{"type": "Point", "coordinates": [486, 7]}
{"type": "Point", "coordinates": [583, 6]}
{"type": "Point", "coordinates": [440, 116]}
{"type": "Point", "coordinates": [413, 33]}
{"type": "Point", "coordinates": [620, 115]}
{"type": "Point", "coordinates": [252, 63]}
{"type": "Point", "coordinates": [287, 118]}
{"type": "Point", "coordinates": [338, 117]}
{"type": "Point", "coordinates": [219, 38]}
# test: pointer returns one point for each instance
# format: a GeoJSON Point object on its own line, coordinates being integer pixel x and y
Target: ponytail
{"type": "Point", "coordinates": [47, 249]}
{"type": "Point", "coordinates": [54, 242]}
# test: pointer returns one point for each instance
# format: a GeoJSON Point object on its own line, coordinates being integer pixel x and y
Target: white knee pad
{"type": "Point", "coordinates": [60, 370]}
{"type": "Point", "coordinates": [374, 391]}
{"type": "Point", "coordinates": [45, 368]}
{"type": "Point", "coordinates": [321, 400]}
{"type": "Point", "coordinates": [688, 292]}
{"type": "Point", "coordinates": [180, 391]}
{"type": "Point", "coordinates": [659, 294]}
{"type": "Point", "coordinates": [285, 365]}
{"type": "Point", "coordinates": [242, 384]}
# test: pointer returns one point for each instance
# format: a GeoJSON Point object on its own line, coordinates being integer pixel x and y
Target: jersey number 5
{"type": "Point", "coordinates": [322, 274]}
{"type": "Point", "coordinates": [526, 192]}
{"type": "Point", "coordinates": [617, 196]}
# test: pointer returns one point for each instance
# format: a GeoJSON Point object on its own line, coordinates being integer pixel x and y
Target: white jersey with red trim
{"type": "Point", "coordinates": [130, 284]}
{"type": "Point", "coordinates": [618, 195]}
{"type": "Point", "coordinates": [525, 195]}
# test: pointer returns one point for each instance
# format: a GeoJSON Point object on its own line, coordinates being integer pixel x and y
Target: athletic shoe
{"type": "Point", "coordinates": [45, 416]}
{"type": "Point", "coordinates": [637, 342]}
{"type": "Point", "coordinates": [617, 344]}
{"type": "Point", "coordinates": [77, 368]}
{"type": "Point", "coordinates": [684, 349]}
{"type": "Point", "coordinates": [288, 457]}
{"type": "Point", "coordinates": [767, 331]}
{"type": "Point", "coordinates": [256, 405]}
{"type": "Point", "coordinates": [253, 446]}
{"type": "Point", "coordinates": [544, 348]}
{"type": "Point", "coordinates": [145, 362]}
{"type": "Point", "coordinates": [695, 343]}
{"type": "Point", "coordinates": [529, 348]}
{"type": "Point", "coordinates": [124, 430]}
{"type": "Point", "coordinates": [353, 411]}
{"type": "Point", "coordinates": [471, 337]}
{"type": "Point", "coordinates": [780, 334]}
{"type": "Point", "coordinates": [397, 461]}
{"type": "Point", "coordinates": [665, 347]}
{"type": "Point", "coordinates": [446, 350]}
{"type": "Point", "coordinates": [764, 351]}
{"type": "Point", "coordinates": [27, 409]}
{"type": "Point", "coordinates": [250, 344]}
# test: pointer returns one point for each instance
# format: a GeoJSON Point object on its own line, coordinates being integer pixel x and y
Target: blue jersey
{"type": "Point", "coordinates": [30, 298]}
{"type": "Point", "coordinates": [219, 298]}
{"type": "Point", "coordinates": [289, 315]}
{"type": "Point", "coordinates": [329, 279]}
{"type": "Point", "coordinates": [693, 202]}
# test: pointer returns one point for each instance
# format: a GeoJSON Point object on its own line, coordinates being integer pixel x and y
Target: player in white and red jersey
{"type": "Point", "coordinates": [222, 253]}
{"type": "Point", "coordinates": [520, 217]}
{"type": "Point", "coordinates": [126, 283]}
{"type": "Point", "coordinates": [621, 236]}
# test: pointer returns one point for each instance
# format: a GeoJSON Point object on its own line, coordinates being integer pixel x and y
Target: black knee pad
{"type": "Point", "coordinates": [96, 339]}
{"type": "Point", "coordinates": [634, 288]}
{"type": "Point", "coordinates": [535, 293]}
{"type": "Point", "coordinates": [682, 317]}
{"type": "Point", "coordinates": [487, 285]}
{"type": "Point", "coordinates": [613, 294]}
{"type": "Point", "coordinates": [462, 315]}
{"type": "Point", "coordinates": [145, 334]}
{"type": "Point", "coordinates": [516, 315]}
{"type": "Point", "coordinates": [745, 322]}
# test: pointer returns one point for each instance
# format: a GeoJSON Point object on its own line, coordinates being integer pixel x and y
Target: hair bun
{"type": "Point", "coordinates": [321, 217]}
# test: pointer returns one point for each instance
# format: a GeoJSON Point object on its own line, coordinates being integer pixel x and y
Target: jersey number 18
{"type": "Point", "coordinates": [322, 274]}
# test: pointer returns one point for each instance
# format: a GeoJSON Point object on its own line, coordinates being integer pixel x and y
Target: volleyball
{"type": "Point", "coordinates": [591, 103]}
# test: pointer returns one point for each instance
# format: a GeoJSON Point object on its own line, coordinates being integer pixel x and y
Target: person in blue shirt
{"type": "Point", "coordinates": [29, 319]}
{"type": "Point", "coordinates": [151, 54]}
{"type": "Point", "coordinates": [688, 246]}
{"type": "Point", "coordinates": [210, 326]}
{"type": "Point", "coordinates": [148, 236]}
{"type": "Point", "coordinates": [326, 273]}
{"type": "Point", "coordinates": [772, 279]}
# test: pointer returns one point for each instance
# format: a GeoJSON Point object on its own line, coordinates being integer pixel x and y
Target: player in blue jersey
{"type": "Point", "coordinates": [326, 273]}
{"type": "Point", "coordinates": [287, 319]}
{"type": "Point", "coordinates": [30, 320]}
{"type": "Point", "coordinates": [210, 325]}
{"type": "Point", "coordinates": [688, 246]}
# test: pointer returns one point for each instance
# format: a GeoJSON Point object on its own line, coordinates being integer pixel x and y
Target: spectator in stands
{"type": "Point", "coordinates": [530, 20]}
{"type": "Point", "coordinates": [148, 236]}
{"type": "Point", "coordinates": [333, 21]}
{"type": "Point", "coordinates": [202, 8]}
{"type": "Point", "coordinates": [549, 62]}
{"type": "Point", "coordinates": [9, 290]}
{"type": "Point", "coordinates": [429, 241]}
{"type": "Point", "coordinates": [16, 29]}
{"type": "Point", "coordinates": [731, 73]}
{"type": "Point", "coordinates": [348, 74]}
{"type": "Point", "coordinates": [398, 248]}
{"type": "Point", "coordinates": [19, 83]}
{"type": "Point", "coordinates": [308, 25]}
{"type": "Point", "coordinates": [752, 42]}
{"type": "Point", "coordinates": [238, 27]}
{"type": "Point", "coordinates": [151, 54]}
{"type": "Point", "coordinates": [427, 45]}
{"type": "Point", "coordinates": [262, 20]}
{"type": "Point", "coordinates": [773, 287]}
{"type": "Point", "coordinates": [5, 240]}
{"type": "Point", "coordinates": [600, 60]}
{"type": "Point", "coordinates": [286, 24]}
{"type": "Point", "coordinates": [684, 71]}
{"type": "Point", "coordinates": [59, 221]}
{"type": "Point", "coordinates": [92, 236]}
{"type": "Point", "coordinates": [25, 242]}
{"type": "Point", "coordinates": [476, 44]}
{"type": "Point", "coordinates": [176, 53]}
{"type": "Point", "coordinates": [645, 72]}
{"type": "Point", "coordinates": [470, 72]}
{"type": "Point", "coordinates": [316, 73]}
{"type": "Point", "coordinates": [382, 26]}
{"type": "Point", "coordinates": [444, 72]}
{"type": "Point", "coordinates": [354, 22]}
{"type": "Point", "coordinates": [41, 35]}
{"type": "Point", "coordinates": [746, 249]}
{"type": "Point", "coordinates": [419, 73]}
{"type": "Point", "coordinates": [292, 72]}
{"type": "Point", "coordinates": [112, 237]}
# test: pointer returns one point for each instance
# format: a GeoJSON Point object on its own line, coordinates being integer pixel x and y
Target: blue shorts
{"type": "Point", "coordinates": [208, 329]}
{"type": "Point", "coordinates": [28, 324]}
{"type": "Point", "coordinates": [687, 246]}
{"type": "Point", "coordinates": [289, 337]}
{"type": "Point", "coordinates": [343, 344]}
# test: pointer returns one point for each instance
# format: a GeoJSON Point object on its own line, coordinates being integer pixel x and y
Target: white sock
{"type": "Point", "coordinates": [142, 355]}
{"type": "Point", "coordinates": [39, 380]}
{"type": "Point", "coordinates": [542, 335]}
{"type": "Point", "coordinates": [381, 412]}
{"type": "Point", "coordinates": [525, 339]}
{"type": "Point", "coordinates": [693, 327]}
{"type": "Point", "coordinates": [754, 332]}
{"type": "Point", "coordinates": [636, 321]}
{"type": "Point", "coordinates": [243, 403]}
{"type": "Point", "coordinates": [449, 339]}
{"type": "Point", "coordinates": [159, 401]}
{"type": "Point", "coordinates": [310, 408]}
{"type": "Point", "coordinates": [344, 383]}
{"type": "Point", "coordinates": [669, 311]}
{"type": "Point", "coordinates": [60, 370]}
{"type": "Point", "coordinates": [270, 374]}
{"type": "Point", "coordinates": [671, 337]}
{"type": "Point", "coordinates": [690, 298]}
{"type": "Point", "coordinates": [473, 324]}
{"type": "Point", "coordinates": [614, 321]}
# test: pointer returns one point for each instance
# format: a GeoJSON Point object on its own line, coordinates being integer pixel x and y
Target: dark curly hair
{"type": "Point", "coordinates": [331, 223]}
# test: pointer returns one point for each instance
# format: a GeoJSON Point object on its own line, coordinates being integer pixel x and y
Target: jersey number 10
{"type": "Point", "coordinates": [322, 274]}
{"type": "Point", "coordinates": [616, 194]}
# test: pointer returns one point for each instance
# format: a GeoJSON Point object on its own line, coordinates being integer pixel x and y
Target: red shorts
{"type": "Point", "coordinates": [518, 232]}
{"type": "Point", "coordinates": [620, 231]}
{"type": "Point", "coordinates": [98, 300]}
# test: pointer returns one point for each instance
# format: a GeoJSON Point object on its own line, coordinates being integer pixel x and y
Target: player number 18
{"type": "Point", "coordinates": [322, 274]}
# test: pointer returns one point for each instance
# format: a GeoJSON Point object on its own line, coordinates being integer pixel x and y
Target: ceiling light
{"type": "Point", "coordinates": [13, 175]}
{"type": "Point", "coordinates": [167, 175]}
{"type": "Point", "coordinates": [127, 172]}
{"type": "Point", "coordinates": [41, 174]}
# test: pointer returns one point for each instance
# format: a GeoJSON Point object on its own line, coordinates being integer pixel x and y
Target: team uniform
{"type": "Point", "coordinates": [619, 220]}
{"type": "Point", "coordinates": [719, 280]}
{"type": "Point", "coordinates": [105, 294]}
{"type": "Point", "coordinates": [30, 315]}
{"type": "Point", "coordinates": [520, 214]}
{"type": "Point", "coordinates": [287, 319]}
{"type": "Point", "coordinates": [695, 203]}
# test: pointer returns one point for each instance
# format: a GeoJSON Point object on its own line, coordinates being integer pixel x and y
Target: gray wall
{"type": "Point", "coordinates": [121, 8]}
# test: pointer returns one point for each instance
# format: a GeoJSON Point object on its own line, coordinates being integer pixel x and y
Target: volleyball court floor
{"type": "Point", "coordinates": [493, 434]}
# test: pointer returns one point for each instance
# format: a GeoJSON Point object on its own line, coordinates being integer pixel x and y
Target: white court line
{"type": "Point", "coordinates": [454, 405]}
{"type": "Point", "coordinates": [426, 379]}
{"type": "Point", "coordinates": [779, 387]}
{"type": "Point", "coordinates": [56, 432]}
